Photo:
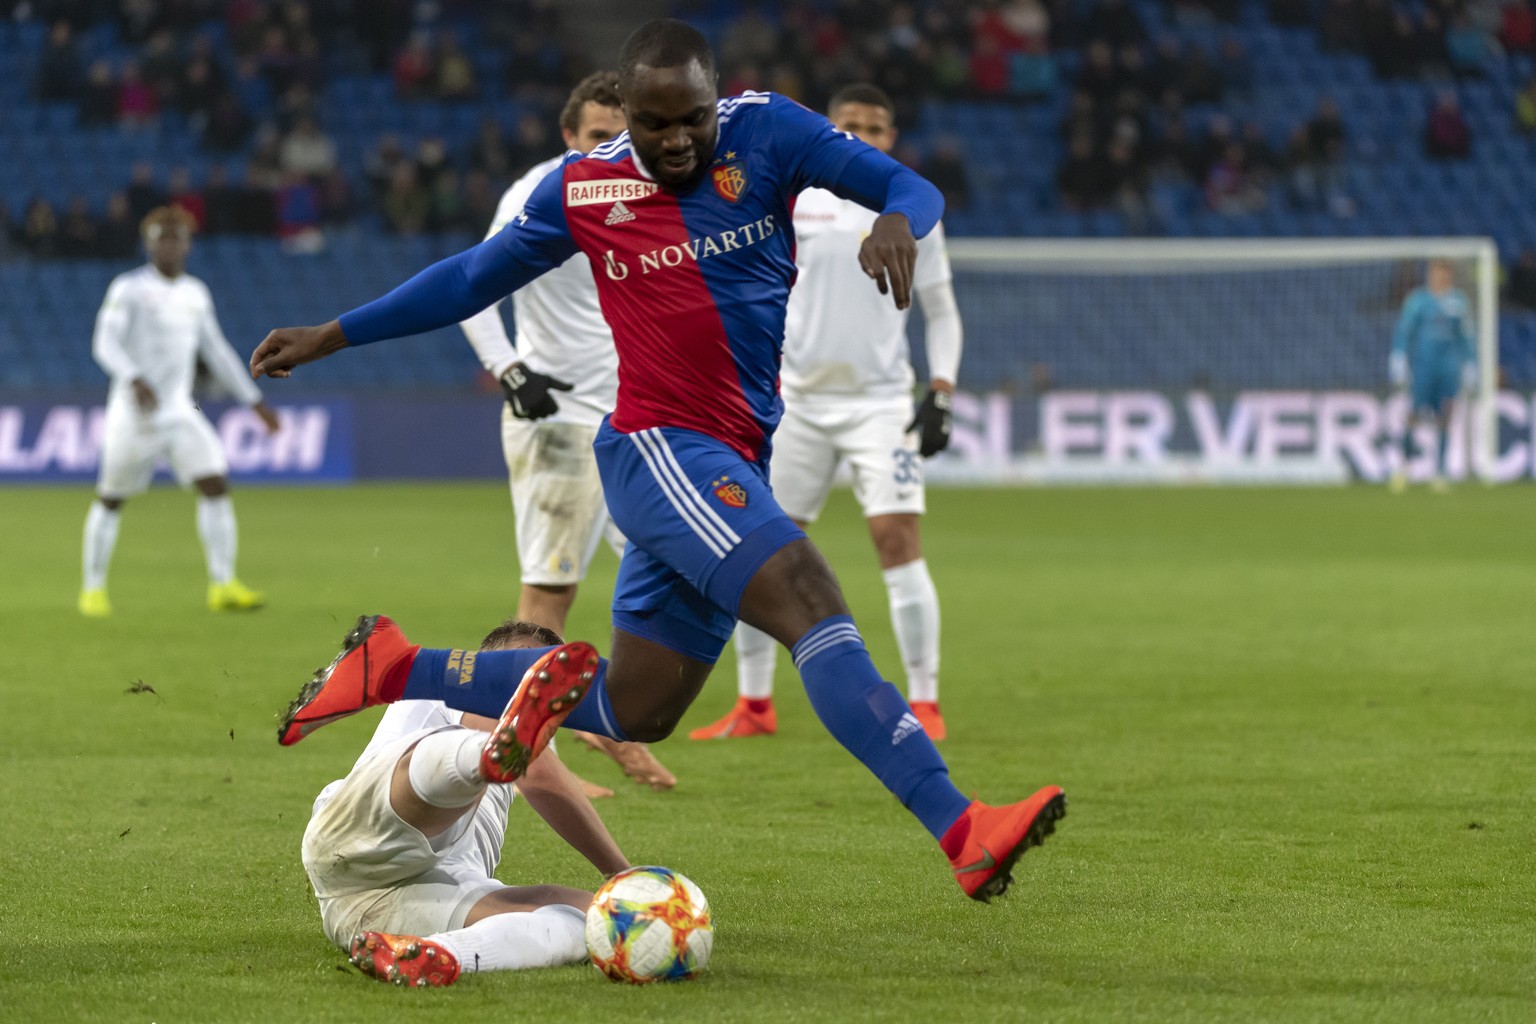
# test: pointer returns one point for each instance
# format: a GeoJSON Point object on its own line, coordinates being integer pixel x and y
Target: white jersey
{"type": "Point", "coordinates": [841, 336]}
{"type": "Point", "coordinates": [560, 326]}
{"type": "Point", "coordinates": [154, 328]}
{"type": "Point", "coordinates": [403, 718]}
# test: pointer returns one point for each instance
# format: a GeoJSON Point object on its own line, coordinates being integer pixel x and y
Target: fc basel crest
{"type": "Point", "coordinates": [730, 180]}
{"type": "Point", "coordinates": [730, 492]}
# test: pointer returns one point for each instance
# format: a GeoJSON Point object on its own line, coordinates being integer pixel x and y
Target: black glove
{"type": "Point", "coordinates": [528, 392]}
{"type": "Point", "coordinates": [932, 423]}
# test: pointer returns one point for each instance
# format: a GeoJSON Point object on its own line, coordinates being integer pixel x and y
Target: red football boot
{"type": "Point", "coordinates": [354, 681]}
{"type": "Point", "coordinates": [403, 960]}
{"type": "Point", "coordinates": [985, 842]}
{"type": "Point", "coordinates": [927, 712]}
{"type": "Point", "coordinates": [742, 720]}
{"type": "Point", "coordinates": [550, 689]}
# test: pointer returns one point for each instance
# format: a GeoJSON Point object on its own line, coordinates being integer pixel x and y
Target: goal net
{"type": "Point", "coordinates": [1244, 360]}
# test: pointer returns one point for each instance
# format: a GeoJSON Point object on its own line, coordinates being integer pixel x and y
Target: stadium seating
{"type": "Point", "coordinates": [1013, 150]}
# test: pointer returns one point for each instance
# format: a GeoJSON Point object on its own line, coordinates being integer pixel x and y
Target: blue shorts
{"type": "Point", "coordinates": [1435, 382]}
{"type": "Point", "coordinates": [700, 521]}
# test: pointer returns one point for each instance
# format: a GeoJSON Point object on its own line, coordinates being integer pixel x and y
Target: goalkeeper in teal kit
{"type": "Point", "coordinates": [1433, 354]}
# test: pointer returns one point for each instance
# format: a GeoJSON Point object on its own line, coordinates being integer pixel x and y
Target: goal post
{"type": "Point", "coordinates": [1203, 360]}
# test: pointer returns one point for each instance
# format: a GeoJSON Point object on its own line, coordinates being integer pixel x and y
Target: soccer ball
{"type": "Point", "coordinates": [649, 924]}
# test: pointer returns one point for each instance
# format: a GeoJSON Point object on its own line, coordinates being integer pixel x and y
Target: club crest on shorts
{"type": "Point", "coordinates": [730, 492]}
{"type": "Point", "coordinates": [730, 180]}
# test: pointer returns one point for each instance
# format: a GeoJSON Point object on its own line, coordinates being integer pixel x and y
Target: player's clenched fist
{"type": "Point", "coordinates": [287, 347]}
{"type": "Point", "coordinates": [889, 254]}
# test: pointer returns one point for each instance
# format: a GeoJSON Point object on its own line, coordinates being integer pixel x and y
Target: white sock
{"type": "Point", "coordinates": [547, 937]}
{"type": "Point", "coordinates": [100, 538]}
{"type": "Point", "coordinates": [756, 653]}
{"type": "Point", "coordinates": [445, 768]}
{"type": "Point", "coordinates": [915, 617]}
{"type": "Point", "coordinates": [216, 527]}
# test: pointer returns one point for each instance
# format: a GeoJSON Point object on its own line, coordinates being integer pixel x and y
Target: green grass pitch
{"type": "Point", "coordinates": [1297, 729]}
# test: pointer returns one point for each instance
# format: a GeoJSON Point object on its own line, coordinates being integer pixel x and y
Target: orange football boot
{"type": "Point", "coordinates": [985, 842]}
{"type": "Point", "coordinates": [403, 960]}
{"type": "Point", "coordinates": [927, 712]}
{"type": "Point", "coordinates": [551, 687]}
{"type": "Point", "coordinates": [742, 720]}
{"type": "Point", "coordinates": [350, 683]}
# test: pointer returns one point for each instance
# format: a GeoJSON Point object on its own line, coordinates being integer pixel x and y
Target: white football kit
{"type": "Point", "coordinates": [373, 872]}
{"type": "Point", "coordinates": [155, 328]}
{"type": "Point", "coordinates": [557, 497]}
{"type": "Point", "coordinates": [846, 377]}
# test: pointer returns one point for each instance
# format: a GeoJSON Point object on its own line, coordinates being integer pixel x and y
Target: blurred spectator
{"type": "Point", "coordinates": [185, 195]}
{"type": "Point", "coordinates": [1396, 54]}
{"type": "Point", "coordinates": [10, 242]}
{"type": "Point", "coordinates": [77, 231]}
{"type": "Point", "coordinates": [1326, 133]}
{"type": "Point", "coordinates": [297, 203]}
{"type": "Point", "coordinates": [532, 144]}
{"type": "Point", "coordinates": [1166, 67]}
{"type": "Point", "coordinates": [989, 69]}
{"type": "Point", "coordinates": [490, 152]}
{"type": "Point", "coordinates": [307, 151]}
{"type": "Point", "coordinates": [1099, 77]}
{"type": "Point", "coordinates": [446, 203]}
{"type": "Point", "coordinates": [228, 124]}
{"type": "Point", "coordinates": [1447, 136]}
{"type": "Point", "coordinates": [455, 71]}
{"type": "Point", "coordinates": [1234, 68]}
{"type": "Point", "coordinates": [951, 71]}
{"type": "Point", "coordinates": [1521, 287]}
{"type": "Point", "coordinates": [413, 73]}
{"type": "Point", "coordinates": [480, 199]}
{"type": "Point", "coordinates": [1525, 107]}
{"type": "Point", "coordinates": [1467, 47]}
{"type": "Point", "coordinates": [1229, 189]}
{"type": "Point", "coordinates": [98, 100]}
{"type": "Point", "coordinates": [117, 236]}
{"type": "Point", "coordinates": [1200, 81]}
{"type": "Point", "coordinates": [1263, 163]}
{"type": "Point", "coordinates": [431, 160]}
{"type": "Point", "coordinates": [59, 69]}
{"type": "Point", "coordinates": [265, 168]}
{"type": "Point", "coordinates": [406, 206]}
{"type": "Point", "coordinates": [137, 104]}
{"type": "Point", "coordinates": [1115, 22]}
{"type": "Point", "coordinates": [1289, 13]}
{"type": "Point", "coordinates": [945, 168]}
{"type": "Point", "coordinates": [199, 89]}
{"type": "Point", "coordinates": [751, 38]}
{"type": "Point", "coordinates": [142, 192]}
{"type": "Point", "coordinates": [381, 161]}
{"type": "Point", "coordinates": [40, 229]}
{"type": "Point", "coordinates": [1083, 180]}
{"type": "Point", "coordinates": [161, 66]}
{"type": "Point", "coordinates": [1517, 27]}
{"type": "Point", "coordinates": [221, 202]}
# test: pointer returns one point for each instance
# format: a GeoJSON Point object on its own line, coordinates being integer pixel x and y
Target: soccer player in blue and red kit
{"type": "Point", "coordinates": [686, 220]}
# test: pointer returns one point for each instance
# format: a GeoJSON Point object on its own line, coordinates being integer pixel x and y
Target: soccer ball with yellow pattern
{"type": "Point", "coordinates": [649, 924]}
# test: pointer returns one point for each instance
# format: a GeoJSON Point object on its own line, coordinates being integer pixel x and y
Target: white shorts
{"type": "Point", "coordinates": [557, 498]}
{"type": "Point", "coordinates": [373, 872]}
{"type": "Point", "coordinates": [132, 442]}
{"type": "Point", "coordinates": [870, 434]}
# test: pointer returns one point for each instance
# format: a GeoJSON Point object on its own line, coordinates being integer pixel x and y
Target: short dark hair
{"type": "Point", "coordinates": [600, 87]}
{"type": "Point", "coordinates": [665, 43]}
{"type": "Point", "coordinates": [862, 92]}
{"type": "Point", "coordinates": [514, 633]}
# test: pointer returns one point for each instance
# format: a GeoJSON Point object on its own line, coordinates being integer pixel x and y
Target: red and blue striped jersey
{"type": "Point", "coordinates": [695, 284]}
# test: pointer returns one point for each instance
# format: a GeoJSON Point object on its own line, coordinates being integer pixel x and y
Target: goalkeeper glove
{"type": "Point", "coordinates": [528, 392]}
{"type": "Point", "coordinates": [1397, 369]}
{"type": "Point", "coordinates": [932, 423]}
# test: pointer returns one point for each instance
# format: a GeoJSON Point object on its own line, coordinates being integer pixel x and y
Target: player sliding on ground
{"type": "Point", "coordinates": [694, 285]}
{"type": "Point", "coordinates": [402, 853]}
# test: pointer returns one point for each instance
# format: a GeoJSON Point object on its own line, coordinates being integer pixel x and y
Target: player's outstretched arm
{"type": "Point", "coordinates": [283, 349]}
{"type": "Point", "coordinates": [555, 795]}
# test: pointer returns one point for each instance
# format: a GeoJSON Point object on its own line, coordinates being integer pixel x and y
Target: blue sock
{"type": "Point", "coordinates": [481, 683]}
{"type": "Point", "coordinates": [868, 716]}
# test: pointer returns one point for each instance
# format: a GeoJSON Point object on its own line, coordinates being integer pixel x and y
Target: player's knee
{"type": "Point", "coordinates": [112, 504]}
{"type": "Point", "coordinates": [794, 590]}
{"type": "Point", "coordinates": [897, 539]}
{"type": "Point", "coordinates": [650, 728]}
